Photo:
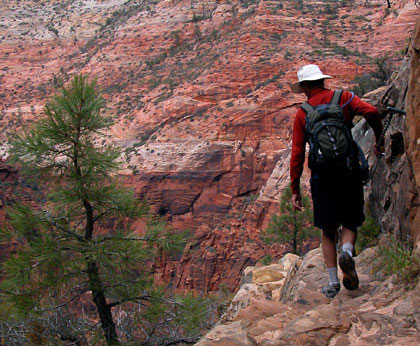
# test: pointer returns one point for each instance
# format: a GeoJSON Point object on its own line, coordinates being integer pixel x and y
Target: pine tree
{"type": "Point", "coordinates": [80, 245]}
{"type": "Point", "coordinates": [291, 226]}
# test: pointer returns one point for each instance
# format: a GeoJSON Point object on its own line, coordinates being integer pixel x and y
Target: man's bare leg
{"type": "Point", "coordinates": [348, 237]}
{"type": "Point", "coordinates": [328, 246]}
{"type": "Point", "coordinates": [347, 264]}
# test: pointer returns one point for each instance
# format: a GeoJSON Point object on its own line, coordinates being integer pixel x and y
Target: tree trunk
{"type": "Point", "coordinates": [104, 310]}
{"type": "Point", "coordinates": [95, 284]}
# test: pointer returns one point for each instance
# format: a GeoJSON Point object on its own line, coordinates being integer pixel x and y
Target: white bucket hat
{"type": "Point", "coordinates": [307, 73]}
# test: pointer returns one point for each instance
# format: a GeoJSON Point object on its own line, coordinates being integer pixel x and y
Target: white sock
{"type": "Point", "coordinates": [348, 247]}
{"type": "Point", "coordinates": [332, 273]}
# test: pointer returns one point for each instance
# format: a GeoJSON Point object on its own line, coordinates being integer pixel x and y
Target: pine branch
{"type": "Point", "coordinates": [130, 299]}
{"type": "Point", "coordinates": [67, 302]}
{"type": "Point", "coordinates": [121, 238]}
{"type": "Point", "coordinates": [46, 216]}
{"type": "Point", "coordinates": [103, 214]}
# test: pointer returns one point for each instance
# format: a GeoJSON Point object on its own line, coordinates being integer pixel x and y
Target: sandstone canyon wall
{"type": "Point", "coordinates": [412, 143]}
{"type": "Point", "coordinates": [200, 91]}
{"type": "Point", "coordinates": [393, 193]}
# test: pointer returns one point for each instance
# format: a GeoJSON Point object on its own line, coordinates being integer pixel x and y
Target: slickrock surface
{"type": "Point", "coordinates": [200, 92]}
{"type": "Point", "coordinates": [281, 305]}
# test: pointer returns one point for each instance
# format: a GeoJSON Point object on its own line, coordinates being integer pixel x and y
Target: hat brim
{"type": "Point", "coordinates": [296, 88]}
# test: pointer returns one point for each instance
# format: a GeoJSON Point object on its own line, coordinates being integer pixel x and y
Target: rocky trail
{"type": "Point", "coordinates": [281, 304]}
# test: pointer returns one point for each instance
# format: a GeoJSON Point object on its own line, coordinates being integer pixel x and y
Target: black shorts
{"type": "Point", "coordinates": [338, 200]}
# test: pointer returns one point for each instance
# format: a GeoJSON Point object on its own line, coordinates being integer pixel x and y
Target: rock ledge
{"type": "Point", "coordinates": [280, 304]}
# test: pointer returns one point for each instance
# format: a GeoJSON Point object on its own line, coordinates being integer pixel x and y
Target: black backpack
{"type": "Point", "coordinates": [331, 144]}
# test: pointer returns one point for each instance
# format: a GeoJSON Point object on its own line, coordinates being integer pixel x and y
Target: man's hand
{"type": "Point", "coordinates": [379, 150]}
{"type": "Point", "coordinates": [297, 201]}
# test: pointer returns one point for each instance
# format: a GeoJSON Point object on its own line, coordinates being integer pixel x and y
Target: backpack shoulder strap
{"type": "Point", "coordinates": [336, 97]}
{"type": "Point", "coordinates": [351, 99]}
{"type": "Point", "coordinates": [306, 107]}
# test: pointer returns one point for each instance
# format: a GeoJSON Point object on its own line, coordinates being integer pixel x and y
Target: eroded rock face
{"type": "Point", "coordinates": [379, 312]}
{"type": "Point", "coordinates": [393, 193]}
{"type": "Point", "coordinates": [412, 133]}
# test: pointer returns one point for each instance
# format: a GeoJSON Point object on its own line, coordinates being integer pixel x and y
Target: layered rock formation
{"type": "Point", "coordinates": [412, 133]}
{"type": "Point", "coordinates": [393, 193]}
{"type": "Point", "coordinates": [200, 94]}
{"type": "Point", "coordinates": [281, 305]}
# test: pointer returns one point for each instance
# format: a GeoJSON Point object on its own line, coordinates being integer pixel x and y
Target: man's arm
{"type": "Point", "coordinates": [370, 113]}
{"type": "Point", "coordinates": [297, 158]}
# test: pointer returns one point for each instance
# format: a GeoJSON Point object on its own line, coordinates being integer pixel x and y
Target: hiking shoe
{"type": "Point", "coordinates": [347, 265]}
{"type": "Point", "coordinates": [331, 290]}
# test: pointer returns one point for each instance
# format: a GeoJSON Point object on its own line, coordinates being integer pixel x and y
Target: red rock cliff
{"type": "Point", "coordinates": [413, 132]}
{"type": "Point", "coordinates": [200, 92]}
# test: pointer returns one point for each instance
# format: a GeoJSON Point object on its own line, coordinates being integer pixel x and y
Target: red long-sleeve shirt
{"type": "Point", "coordinates": [319, 96]}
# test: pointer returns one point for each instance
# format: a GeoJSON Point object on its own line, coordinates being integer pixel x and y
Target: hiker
{"type": "Point", "coordinates": [336, 185]}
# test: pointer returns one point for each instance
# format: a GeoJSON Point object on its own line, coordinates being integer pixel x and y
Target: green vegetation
{"type": "Point", "coordinates": [266, 260]}
{"type": "Point", "coordinates": [367, 234]}
{"type": "Point", "coordinates": [197, 18]}
{"type": "Point", "coordinates": [247, 3]}
{"type": "Point", "coordinates": [291, 226]}
{"type": "Point", "coordinates": [251, 198]}
{"type": "Point", "coordinates": [156, 61]}
{"type": "Point", "coordinates": [362, 18]}
{"type": "Point", "coordinates": [279, 37]}
{"type": "Point", "coordinates": [397, 258]}
{"type": "Point", "coordinates": [270, 80]}
{"type": "Point", "coordinates": [299, 4]}
{"type": "Point", "coordinates": [78, 259]}
{"type": "Point", "coordinates": [340, 50]}
{"type": "Point", "coordinates": [162, 97]}
{"type": "Point", "coordinates": [222, 298]}
{"type": "Point", "coordinates": [374, 79]}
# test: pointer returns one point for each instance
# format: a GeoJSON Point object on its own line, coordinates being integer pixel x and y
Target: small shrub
{"type": "Point", "coordinates": [278, 37]}
{"type": "Point", "coordinates": [196, 19]}
{"type": "Point", "coordinates": [365, 84]}
{"type": "Point", "coordinates": [368, 234]}
{"type": "Point", "coordinates": [266, 260]}
{"type": "Point", "coordinates": [292, 227]}
{"type": "Point", "coordinates": [222, 299]}
{"type": "Point", "coordinates": [362, 18]}
{"type": "Point", "coordinates": [252, 197]}
{"type": "Point", "coordinates": [374, 79]}
{"type": "Point", "coordinates": [341, 50]}
{"type": "Point", "coordinates": [398, 258]}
